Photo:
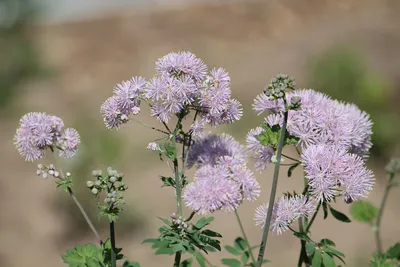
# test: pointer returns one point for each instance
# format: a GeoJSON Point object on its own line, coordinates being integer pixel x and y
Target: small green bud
{"type": "Point", "coordinates": [394, 166]}
{"type": "Point", "coordinates": [95, 191]}
{"type": "Point", "coordinates": [89, 184]}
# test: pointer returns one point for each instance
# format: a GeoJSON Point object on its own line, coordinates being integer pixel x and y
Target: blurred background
{"type": "Point", "coordinates": [64, 58]}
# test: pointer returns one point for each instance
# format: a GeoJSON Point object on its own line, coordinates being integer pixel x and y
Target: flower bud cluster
{"type": "Point", "coordinates": [278, 85]}
{"type": "Point", "coordinates": [111, 182]}
{"type": "Point", "coordinates": [45, 171]}
{"type": "Point", "coordinates": [393, 167]}
{"type": "Point", "coordinates": [179, 224]}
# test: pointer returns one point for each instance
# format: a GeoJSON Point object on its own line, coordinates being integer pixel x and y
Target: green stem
{"type": "Point", "coordinates": [178, 185]}
{"type": "Point", "coordinates": [273, 190]}
{"type": "Point", "coordinates": [303, 253]}
{"type": "Point", "coordinates": [313, 218]}
{"type": "Point", "coordinates": [245, 236]}
{"type": "Point", "coordinates": [377, 225]}
{"type": "Point", "coordinates": [288, 157]}
{"type": "Point", "coordinates": [112, 237]}
{"type": "Point", "coordinates": [150, 127]}
{"type": "Point", "coordinates": [84, 214]}
{"type": "Point", "coordinates": [78, 204]}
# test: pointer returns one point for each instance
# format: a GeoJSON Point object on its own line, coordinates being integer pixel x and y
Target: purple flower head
{"type": "Point", "coordinates": [262, 103]}
{"type": "Point", "coordinates": [160, 111]}
{"type": "Point", "coordinates": [355, 180]}
{"type": "Point", "coordinates": [261, 155]}
{"type": "Point", "coordinates": [360, 128]}
{"type": "Point", "coordinates": [197, 127]}
{"type": "Point", "coordinates": [153, 146]}
{"type": "Point", "coordinates": [208, 149]}
{"type": "Point", "coordinates": [69, 142]}
{"type": "Point", "coordinates": [39, 131]}
{"type": "Point", "coordinates": [182, 63]}
{"type": "Point", "coordinates": [112, 115]}
{"type": "Point", "coordinates": [245, 178]}
{"type": "Point", "coordinates": [331, 171]}
{"type": "Point", "coordinates": [285, 211]}
{"type": "Point", "coordinates": [127, 94]}
{"type": "Point", "coordinates": [216, 93]}
{"type": "Point", "coordinates": [212, 191]}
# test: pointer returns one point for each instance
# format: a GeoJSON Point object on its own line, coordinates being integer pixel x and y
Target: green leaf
{"type": "Point", "coordinates": [302, 236]}
{"type": "Point", "coordinates": [203, 222]}
{"type": "Point", "coordinates": [240, 244]}
{"type": "Point", "coordinates": [394, 252]}
{"type": "Point", "coordinates": [232, 250]}
{"type": "Point", "coordinates": [325, 209]}
{"type": "Point", "coordinates": [364, 211]}
{"type": "Point", "coordinates": [327, 242]}
{"type": "Point", "coordinates": [316, 260]}
{"type": "Point", "coordinates": [178, 247]}
{"type": "Point", "coordinates": [170, 149]}
{"type": "Point", "coordinates": [333, 251]}
{"type": "Point", "coordinates": [163, 251]}
{"type": "Point", "coordinates": [64, 184]}
{"type": "Point", "coordinates": [200, 259]}
{"type": "Point", "coordinates": [186, 263]}
{"type": "Point", "coordinates": [106, 247]}
{"type": "Point", "coordinates": [310, 248]}
{"type": "Point", "coordinates": [211, 233]}
{"type": "Point", "coordinates": [165, 221]}
{"type": "Point", "coordinates": [131, 264]}
{"type": "Point", "coordinates": [328, 260]}
{"type": "Point", "coordinates": [167, 181]}
{"type": "Point", "coordinates": [150, 240]}
{"type": "Point", "coordinates": [231, 262]}
{"type": "Point", "coordinates": [339, 216]}
{"type": "Point", "coordinates": [291, 169]}
{"type": "Point", "coordinates": [245, 257]}
{"type": "Point", "coordinates": [84, 255]}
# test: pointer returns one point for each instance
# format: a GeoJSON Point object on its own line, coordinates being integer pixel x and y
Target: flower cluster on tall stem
{"type": "Point", "coordinates": [332, 140]}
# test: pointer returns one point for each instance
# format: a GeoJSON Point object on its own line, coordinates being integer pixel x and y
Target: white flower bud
{"type": "Point", "coordinates": [40, 166]}
{"type": "Point", "coordinates": [51, 172]}
{"type": "Point", "coordinates": [68, 174]}
{"type": "Point", "coordinates": [89, 184]}
{"type": "Point", "coordinates": [56, 174]}
{"type": "Point", "coordinates": [44, 175]}
{"type": "Point", "coordinates": [38, 172]}
{"type": "Point", "coordinates": [95, 191]}
{"type": "Point", "coordinates": [113, 179]}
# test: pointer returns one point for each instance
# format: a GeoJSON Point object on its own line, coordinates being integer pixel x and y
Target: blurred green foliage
{"type": "Point", "coordinates": [344, 74]}
{"type": "Point", "coordinates": [19, 58]}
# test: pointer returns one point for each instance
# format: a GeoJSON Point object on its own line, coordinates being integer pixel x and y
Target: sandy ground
{"type": "Point", "coordinates": [253, 40]}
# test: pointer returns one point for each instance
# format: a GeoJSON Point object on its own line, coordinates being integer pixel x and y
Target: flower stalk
{"type": "Point", "coordinates": [264, 240]}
